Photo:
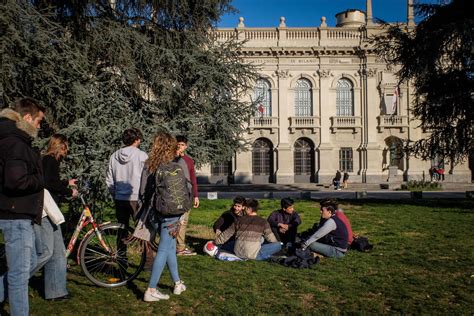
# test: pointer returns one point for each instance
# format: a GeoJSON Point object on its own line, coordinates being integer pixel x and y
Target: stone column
{"type": "Point", "coordinates": [410, 20]}
{"type": "Point", "coordinates": [284, 156]}
{"type": "Point", "coordinates": [369, 21]}
{"type": "Point", "coordinates": [374, 150]}
{"type": "Point", "coordinates": [327, 161]}
{"type": "Point", "coordinates": [243, 167]}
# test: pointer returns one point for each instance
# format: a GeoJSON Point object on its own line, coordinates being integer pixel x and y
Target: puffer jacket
{"type": "Point", "coordinates": [21, 176]}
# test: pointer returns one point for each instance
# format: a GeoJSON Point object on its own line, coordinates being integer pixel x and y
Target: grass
{"type": "Point", "coordinates": [421, 264]}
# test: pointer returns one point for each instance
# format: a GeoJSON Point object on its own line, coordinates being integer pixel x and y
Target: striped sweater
{"type": "Point", "coordinates": [248, 232]}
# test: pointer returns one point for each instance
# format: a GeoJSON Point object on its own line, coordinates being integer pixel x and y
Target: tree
{"type": "Point", "coordinates": [103, 66]}
{"type": "Point", "coordinates": [437, 58]}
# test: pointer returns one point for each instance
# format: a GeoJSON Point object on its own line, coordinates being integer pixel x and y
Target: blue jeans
{"type": "Point", "coordinates": [51, 255]}
{"type": "Point", "coordinates": [21, 259]}
{"type": "Point", "coordinates": [326, 250]}
{"type": "Point", "coordinates": [267, 250]}
{"type": "Point", "coordinates": [166, 254]}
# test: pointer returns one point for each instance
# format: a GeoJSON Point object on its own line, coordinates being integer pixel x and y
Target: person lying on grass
{"type": "Point", "coordinates": [248, 231]}
{"type": "Point", "coordinates": [331, 236]}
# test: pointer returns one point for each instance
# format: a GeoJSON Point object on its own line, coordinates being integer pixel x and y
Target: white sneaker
{"type": "Point", "coordinates": [154, 296]}
{"type": "Point", "coordinates": [179, 288]}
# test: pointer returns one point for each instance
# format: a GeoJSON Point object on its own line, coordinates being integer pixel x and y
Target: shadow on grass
{"type": "Point", "coordinates": [197, 244]}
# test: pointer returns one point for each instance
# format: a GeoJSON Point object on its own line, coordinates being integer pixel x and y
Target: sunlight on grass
{"type": "Point", "coordinates": [419, 265]}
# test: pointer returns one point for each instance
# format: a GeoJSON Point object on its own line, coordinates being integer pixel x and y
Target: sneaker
{"type": "Point", "coordinates": [185, 252]}
{"type": "Point", "coordinates": [179, 288]}
{"type": "Point", "coordinates": [154, 296]}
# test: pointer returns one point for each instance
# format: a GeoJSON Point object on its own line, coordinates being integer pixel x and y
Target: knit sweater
{"type": "Point", "coordinates": [248, 232]}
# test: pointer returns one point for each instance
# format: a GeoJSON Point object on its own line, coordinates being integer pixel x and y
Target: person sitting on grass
{"type": "Point", "coordinates": [284, 222]}
{"type": "Point", "coordinates": [248, 231]}
{"type": "Point", "coordinates": [230, 216]}
{"type": "Point", "coordinates": [331, 236]}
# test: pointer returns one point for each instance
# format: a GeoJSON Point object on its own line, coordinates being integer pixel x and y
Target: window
{"type": "Point", "coordinates": [261, 157]}
{"type": "Point", "coordinates": [344, 98]}
{"type": "Point", "coordinates": [262, 94]}
{"type": "Point", "coordinates": [345, 159]}
{"type": "Point", "coordinates": [303, 157]}
{"type": "Point", "coordinates": [303, 98]}
{"type": "Point", "coordinates": [221, 169]}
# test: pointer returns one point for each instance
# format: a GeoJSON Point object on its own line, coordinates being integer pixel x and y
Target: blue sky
{"type": "Point", "coordinates": [305, 13]}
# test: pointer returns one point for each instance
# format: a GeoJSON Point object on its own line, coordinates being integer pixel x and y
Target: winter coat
{"type": "Point", "coordinates": [21, 175]}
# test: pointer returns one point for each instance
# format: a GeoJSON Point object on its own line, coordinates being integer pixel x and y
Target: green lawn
{"type": "Point", "coordinates": [422, 263]}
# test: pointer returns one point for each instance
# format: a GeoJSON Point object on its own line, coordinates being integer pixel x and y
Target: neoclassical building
{"type": "Point", "coordinates": [327, 103]}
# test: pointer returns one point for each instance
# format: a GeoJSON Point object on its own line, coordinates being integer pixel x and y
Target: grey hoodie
{"type": "Point", "coordinates": [124, 172]}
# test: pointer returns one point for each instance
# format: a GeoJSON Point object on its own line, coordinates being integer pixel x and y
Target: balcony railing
{"type": "Point", "coordinates": [346, 122]}
{"type": "Point", "coordinates": [393, 121]}
{"type": "Point", "coordinates": [304, 122]}
{"type": "Point", "coordinates": [293, 37]}
{"type": "Point", "coordinates": [264, 122]}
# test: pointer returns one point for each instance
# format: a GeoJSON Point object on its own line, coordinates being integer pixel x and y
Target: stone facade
{"type": "Point", "coordinates": [327, 103]}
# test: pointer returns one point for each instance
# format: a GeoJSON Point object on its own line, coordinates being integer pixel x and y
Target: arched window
{"type": "Point", "coordinates": [262, 94]}
{"type": "Point", "coordinates": [344, 98]}
{"type": "Point", "coordinates": [303, 157]}
{"type": "Point", "coordinates": [261, 157]}
{"type": "Point", "coordinates": [303, 98]}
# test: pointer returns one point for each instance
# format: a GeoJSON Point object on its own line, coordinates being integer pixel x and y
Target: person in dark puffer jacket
{"type": "Point", "coordinates": [21, 198]}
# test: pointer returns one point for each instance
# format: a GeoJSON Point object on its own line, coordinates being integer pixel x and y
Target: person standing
{"type": "Point", "coordinates": [162, 153]}
{"type": "Point", "coordinates": [49, 238]}
{"type": "Point", "coordinates": [345, 180]}
{"type": "Point", "coordinates": [21, 198]}
{"type": "Point", "coordinates": [181, 248]}
{"type": "Point", "coordinates": [123, 175]}
{"type": "Point", "coordinates": [336, 181]}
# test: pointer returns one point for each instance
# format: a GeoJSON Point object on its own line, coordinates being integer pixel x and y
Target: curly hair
{"type": "Point", "coordinates": [162, 151]}
{"type": "Point", "coordinates": [58, 146]}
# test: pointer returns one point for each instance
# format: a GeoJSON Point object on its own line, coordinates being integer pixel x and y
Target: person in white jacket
{"type": "Point", "coordinates": [123, 175]}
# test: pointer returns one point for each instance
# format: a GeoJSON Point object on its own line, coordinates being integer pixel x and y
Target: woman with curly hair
{"type": "Point", "coordinates": [162, 153]}
{"type": "Point", "coordinates": [49, 238]}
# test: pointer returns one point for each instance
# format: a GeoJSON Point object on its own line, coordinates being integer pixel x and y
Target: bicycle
{"type": "Point", "coordinates": [103, 254]}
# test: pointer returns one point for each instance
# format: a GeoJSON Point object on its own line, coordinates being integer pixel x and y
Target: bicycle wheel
{"type": "Point", "coordinates": [118, 266]}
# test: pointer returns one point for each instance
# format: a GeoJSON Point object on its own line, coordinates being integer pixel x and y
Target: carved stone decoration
{"type": "Point", "coordinates": [366, 72]}
{"type": "Point", "coordinates": [371, 72]}
{"type": "Point", "coordinates": [283, 74]}
{"type": "Point", "coordinates": [324, 73]}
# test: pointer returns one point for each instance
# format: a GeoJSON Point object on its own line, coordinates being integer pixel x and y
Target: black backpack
{"type": "Point", "coordinates": [173, 196]}
{"type": "Point", "coordinates": [361, 243]}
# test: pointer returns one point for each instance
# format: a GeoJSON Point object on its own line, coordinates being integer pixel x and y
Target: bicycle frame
{"type": "Point", "coordinates": [85, 219]}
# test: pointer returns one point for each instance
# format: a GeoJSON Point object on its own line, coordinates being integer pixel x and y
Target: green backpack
{"type": "Point", "coordinates": [173, 196]}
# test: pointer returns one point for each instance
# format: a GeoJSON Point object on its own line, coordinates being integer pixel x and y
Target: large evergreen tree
{"type": "Point", "coordinates": [437, 58]}
{"type": "Point", "coordinates": [103, 66]}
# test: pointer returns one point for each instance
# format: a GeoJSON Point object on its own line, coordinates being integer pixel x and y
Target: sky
{"type": "Point", "coordinates": [308, 13]}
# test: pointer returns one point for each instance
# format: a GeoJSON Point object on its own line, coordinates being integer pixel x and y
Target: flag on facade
{"type": "Point", "coordinates": [395, 101]}
{"type": "Point", "coordinates": [261, 109]}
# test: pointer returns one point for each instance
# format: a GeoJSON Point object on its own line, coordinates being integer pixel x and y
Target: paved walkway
{"type": "Point", "coordinates": [319, 191]}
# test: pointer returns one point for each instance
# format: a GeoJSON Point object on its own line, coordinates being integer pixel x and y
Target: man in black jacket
{"type": "Point", "coordinates": [21, 198]}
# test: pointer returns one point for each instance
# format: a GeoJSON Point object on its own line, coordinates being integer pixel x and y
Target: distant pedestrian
{"type": "Point", "coordinates": [336, 181]}
{"type": "Point", "coordinates": [345, 179]}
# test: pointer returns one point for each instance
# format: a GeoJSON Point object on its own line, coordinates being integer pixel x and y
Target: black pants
{"type": "Point", "coordinates": [289, 236]}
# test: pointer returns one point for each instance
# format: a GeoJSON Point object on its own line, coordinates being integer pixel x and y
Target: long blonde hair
{"type": "Point", "coordinates": [58, 146]}
{"type": "Point", "coordinates": [162, 151]}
